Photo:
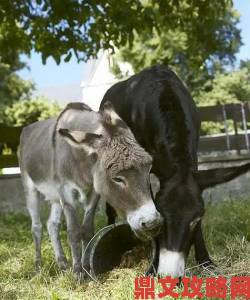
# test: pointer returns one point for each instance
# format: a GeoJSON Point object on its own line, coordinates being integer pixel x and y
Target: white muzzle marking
{"type": "Point", "coordinates": [171, 263]}
{"type": "Point", "coordinates": [146, 212]}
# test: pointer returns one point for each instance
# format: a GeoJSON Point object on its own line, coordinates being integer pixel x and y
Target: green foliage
{"type": "Point", "coordinates": [231, 87]}
{"type": "Point", "coordinates": [209, 128]}
{"type": "Point", "coordinates": [57, 28]}
{"type": "Point", "coordinates": [28, 111]}
{"type": "Point", "coordinates": [200, 37]}
{"type": "Point", "coordinates": [11, 46]}
{"type": "Point", "coordinates": [12, 87]}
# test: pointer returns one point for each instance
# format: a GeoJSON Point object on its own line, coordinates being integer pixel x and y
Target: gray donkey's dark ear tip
{"type": "Point", "coordinates": [107, 106]}
{"type": "Point", "coordinates": [63, 131]}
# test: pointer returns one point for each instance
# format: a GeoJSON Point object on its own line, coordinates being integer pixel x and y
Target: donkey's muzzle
{"type": "Point", "coordinates": [146, 222]}
{"type": "Point", "coordinates": [152, 227]}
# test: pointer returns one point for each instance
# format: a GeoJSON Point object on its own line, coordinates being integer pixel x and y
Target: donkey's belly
{"type": "Point", "coordinates": [48, 189]}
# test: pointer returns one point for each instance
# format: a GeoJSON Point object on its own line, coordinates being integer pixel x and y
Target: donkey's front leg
{"type": "Point", "coordinates": [201, 254]}
{"type": "Point", "coordinates": [74, 236]}
{"type": "Point", "coordinates": [53, 226]}
{"type": "Point", "coordinates": [88, 227]}
{"type": "Point", "coordinates": [73, 229]}
{"type": "Point", "coordinates": [33, 205]}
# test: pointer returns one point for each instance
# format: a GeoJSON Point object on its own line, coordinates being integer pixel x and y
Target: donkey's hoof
{"type": "Point", "coordinates": [38, 265]}
{"type": "Point", "coordinates": [80, 277]}
{"type": "Point", "coordinates": [77, 268]}
{"type": "Point", "coordinates": [207, 264]}
{"type": "Point", "coordinates": [80, 274]}
{"type": "Point", "coordinates": [62, 264]}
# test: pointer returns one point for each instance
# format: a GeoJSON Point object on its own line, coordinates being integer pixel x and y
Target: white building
{"type": "Point", "coordinates": [99, 79]}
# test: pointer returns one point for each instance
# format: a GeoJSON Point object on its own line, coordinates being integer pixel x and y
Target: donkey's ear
{"type": "Point", "coordinates": [212, 177]}
{"type": "Point", "coordinates": [79, 139]}
{"type": "Point", "coordinates": [110, 118]}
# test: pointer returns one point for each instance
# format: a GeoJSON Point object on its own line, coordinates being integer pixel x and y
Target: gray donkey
{"type": "Point", "coordinates": [84, 155]}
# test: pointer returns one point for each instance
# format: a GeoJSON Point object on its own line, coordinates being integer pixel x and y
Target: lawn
{"type": "Point", "coordinates": [226, 228]}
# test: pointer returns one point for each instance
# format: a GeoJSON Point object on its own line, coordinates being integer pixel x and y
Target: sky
{"type": "Point", "coordinates": [57, 82]}
{"type": "Point", "coordinates": [63, 82]}
{"type": "Point", "coordinates": [243, 6]}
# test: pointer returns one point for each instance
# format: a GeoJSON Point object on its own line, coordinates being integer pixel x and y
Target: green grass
{"type": "Point", "coordinates": [227, 232]}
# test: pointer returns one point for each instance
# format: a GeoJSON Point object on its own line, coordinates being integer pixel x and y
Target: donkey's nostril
{"type": "Point", "coordinates": [149, 225]}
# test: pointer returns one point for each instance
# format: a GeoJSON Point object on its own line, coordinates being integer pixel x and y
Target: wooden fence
{"type": "Point", "coordinates": [238, 140]}
{"type": "Point", "coordinates": [240, 114]}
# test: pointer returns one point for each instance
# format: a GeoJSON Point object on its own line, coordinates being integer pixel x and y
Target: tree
{"type": "Point", "coordinates": [12, 87]}
{"type": "Point", "coordinates": [56, 28]}
{"type": "Point", "coordinates": [229, 87]}
{"type": "Point", "coordinates": [28, 111]}
{"type": "Point", "coordinates": [200, 39]}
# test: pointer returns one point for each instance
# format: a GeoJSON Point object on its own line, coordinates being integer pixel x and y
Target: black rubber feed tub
{"type": "Point", "coordinates": [108, 246]}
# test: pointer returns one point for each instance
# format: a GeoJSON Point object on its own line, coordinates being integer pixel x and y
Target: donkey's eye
{"type": "Point", "coordinates": [119, 180]}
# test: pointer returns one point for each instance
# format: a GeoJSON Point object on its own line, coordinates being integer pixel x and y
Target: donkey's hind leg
{"type": "Point", "coordinates": [53, 226]}
{"type": "Point", "coordinates": [33, 206]}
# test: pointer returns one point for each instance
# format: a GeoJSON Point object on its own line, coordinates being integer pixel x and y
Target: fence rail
{"type": "Point", "coordinates": [220, 143]}
{"type": "Point", "coordinates": [239, 113]}
{"type": "Point", "coordinates": [218, 113]}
